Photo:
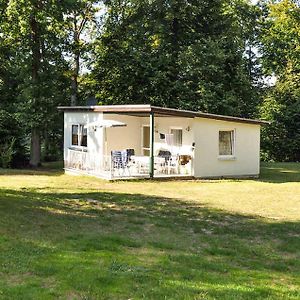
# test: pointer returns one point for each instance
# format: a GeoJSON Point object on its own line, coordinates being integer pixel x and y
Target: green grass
{"type": "Point", "coordinates": [73, 237]}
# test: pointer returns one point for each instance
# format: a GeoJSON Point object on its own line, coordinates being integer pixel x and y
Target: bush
{"type": "Point", "coordinates": [7, 152]}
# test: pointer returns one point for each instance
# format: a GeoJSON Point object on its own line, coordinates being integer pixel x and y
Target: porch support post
{"type": "Point", "coordinates": [151, 169]}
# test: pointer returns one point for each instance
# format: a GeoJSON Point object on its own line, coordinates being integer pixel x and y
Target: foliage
{"type": "Point", "coordinates": [10, 124]}
{"type": "Point", "coordinates": [185, 55]}
{"type": "Point", "coordinates": [198, 55]}
{"type": "Point", "coordinates": [280, 37]}
{"type": "Point", "coordinates": [80, 25]}
{"type": "Point", "coordinates": [281, 139]}
{"type": "Point", "coordinates": [35, 71]}
{"type": "Point", "coordinates": [6, 153]}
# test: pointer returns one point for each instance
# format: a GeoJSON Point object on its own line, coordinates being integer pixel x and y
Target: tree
{"type": "Point", "coordinates": [10, 125]}
{"type": "Point", "coordinates": [80, 24]}
{"type": "Point", "coordinates": [32, 26]}
{"type": "Point", "coordinates": [172, 53]}
{"type": "Point", "coordinates": [279, 36]}
{"type": "Point", "coordinates": [280, 45]}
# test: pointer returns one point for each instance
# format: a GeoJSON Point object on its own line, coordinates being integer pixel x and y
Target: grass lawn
{"type": "Point", "coordinates": [66, 237]}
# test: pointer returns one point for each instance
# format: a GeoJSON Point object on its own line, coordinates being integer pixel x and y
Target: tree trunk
{"type": "Point", "coordinates": [35, 147]}
{"type": "Point", "coordinates": [74, 84]}
{"type": "Point", "coordinates": [174, 99]}
{"type": "Point", "coordinates": [46, 145]}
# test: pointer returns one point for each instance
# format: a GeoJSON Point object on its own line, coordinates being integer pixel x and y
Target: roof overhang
{"type": "Point", "coordinates": [146, 109]}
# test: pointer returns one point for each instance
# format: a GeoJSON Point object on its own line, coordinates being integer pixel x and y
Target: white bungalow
{"type": "Point", "coordinates": [128, 141]}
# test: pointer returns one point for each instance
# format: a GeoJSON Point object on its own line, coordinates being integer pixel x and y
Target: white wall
{"type": "Point", "coordinates": [128, 137]}
{"type": "Point", "coordinates": [164, 124]}
{"type": "Point", "coordinates": [94, 138]}
{"type": "Point", "coordinates": [207, 162]}
{"type": "Point", "coordinates": [119, 138]}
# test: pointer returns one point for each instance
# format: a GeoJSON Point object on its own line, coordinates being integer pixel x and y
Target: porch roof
{"type": "Point", "coordinates": [146, 109]}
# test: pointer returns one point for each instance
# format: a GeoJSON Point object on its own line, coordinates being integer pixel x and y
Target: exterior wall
{"type": "Point", "coordinates": [119, 138]}
{"type": "Point", "coordinates": [94, 138]}
{"type": "Point", "coordinates": [204, 132]}
{"type": "Point", "coordinates": [127, 137]}
{"type": "Point", "coordinates": [164, 124]}
{"type": "Point", "coordinates": [207, 162]}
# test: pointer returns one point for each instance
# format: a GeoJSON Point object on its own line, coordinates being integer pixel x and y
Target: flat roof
{"type": "Point", "coordinates": [140, 109]}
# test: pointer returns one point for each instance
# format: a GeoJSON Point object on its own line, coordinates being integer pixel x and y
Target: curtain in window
{"type": "Point", "coordinates": [83, 136]}
{"type": "Point", "coordinates": [79, 135]}
{"type": "Point", "coordinates": [226, 142]}
{"type": "Point", "coordinates": [75, 135]}
{"type": "Point", "coordinates": [169, 139]}
{"type": "Point", "coordinates": [177, 137]}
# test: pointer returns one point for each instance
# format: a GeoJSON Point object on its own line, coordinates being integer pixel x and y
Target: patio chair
{"type": "Point", "coordinates": [129, 161]}
{"type": "Point", "coordinates": [171, 162]}
{"type": "Point", "coordinates": [116, 161]}
{"type": "Point", "coordinates": [130, 152]}
{"type": "Point", "coordinates": [126, 154]}
{"type": "Point", "coordinates": [173, 165]}
{"type": "Point", "coordinates": [121, 161]}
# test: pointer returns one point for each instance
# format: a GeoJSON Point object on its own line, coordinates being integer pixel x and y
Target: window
{"type": "Point", "coordinates": [146, 140]}
{"type": "Point", "coordinates": [83, 136]}
{"type": "Point", "coordinates": [75, 135]}
{"type": "Point", "coordinates": [177, 137]}
{"type": "Point", "coordinates": [79, 135]}
{"type": "Point", "coordinates": [226, 142]}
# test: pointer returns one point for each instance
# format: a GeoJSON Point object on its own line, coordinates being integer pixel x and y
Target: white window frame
{"type": "Point", "coordinates": [229, 156]}
{"type": "Point", "coordinates": [79, 146]}
{"type": "Point", "coordinates": [177, 128]}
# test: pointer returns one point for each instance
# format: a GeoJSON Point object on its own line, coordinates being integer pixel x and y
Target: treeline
{"type": "Point", "coordinates": [213, 56]}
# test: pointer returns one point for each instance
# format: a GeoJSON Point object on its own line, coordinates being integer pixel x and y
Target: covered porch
{"type": "Point", "coordinates": [135, 144]}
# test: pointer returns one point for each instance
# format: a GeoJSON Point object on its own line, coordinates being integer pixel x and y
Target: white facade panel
{"type": "Point", "coordinates": [208, 162]}
{"type": "Point", "coordinates": [94, 138]}
{"type": "Point", "coordinates": [119, 138]}
{"type": "Point", "coordinates": [128, 137]}
{"type": "Point", "coordinates": [165, 124]}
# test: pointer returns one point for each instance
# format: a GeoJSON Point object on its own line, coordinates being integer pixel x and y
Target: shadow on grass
{"type": "Point", "coordinates": [280, 172]}
{"type": "Point", "coordinates": [270, 172]}
{"type": "Point", "coordinates": [111, 245]}
{"type": "Point", "coordinates": [31, 172]}
{"type": "Point", "coordinates": [48, 169]}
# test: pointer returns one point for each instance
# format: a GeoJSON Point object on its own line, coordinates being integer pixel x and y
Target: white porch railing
{"type": "Point", "coordinates": [138, 166]}
{"type": "Point", "coordinates": [88, 163]}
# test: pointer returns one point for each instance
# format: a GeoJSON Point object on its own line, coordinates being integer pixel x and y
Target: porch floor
{"type": "Point", "coordinates": [106, 175]}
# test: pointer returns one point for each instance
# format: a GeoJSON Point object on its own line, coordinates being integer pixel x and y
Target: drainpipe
{"type": "Point", "coordinates": [151, 169]}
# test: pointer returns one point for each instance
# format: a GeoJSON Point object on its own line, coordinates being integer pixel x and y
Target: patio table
{"type": "Point", "coordinates": [142, 163]}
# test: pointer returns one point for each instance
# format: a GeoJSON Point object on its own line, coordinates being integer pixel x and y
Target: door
{"type": "Point", "coordinates": [146, 140]}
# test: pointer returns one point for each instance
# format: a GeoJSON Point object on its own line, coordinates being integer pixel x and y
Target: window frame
{"type": "Point", "coordinates": [73, 134]}
{"type": "Point", "coordinates": [177, 128]}
{"type": "Point", "coordinates": [233, 135]}
{"type": "Point", "coordinates": [80, 131]}
{"type": "Point", "coordinates": [145, 149]}
{"type": "Point", "coordinates": [82, 135]}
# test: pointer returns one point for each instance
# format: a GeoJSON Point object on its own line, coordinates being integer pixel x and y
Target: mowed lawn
{"type": "Point", "coordinates": [66, 237]}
